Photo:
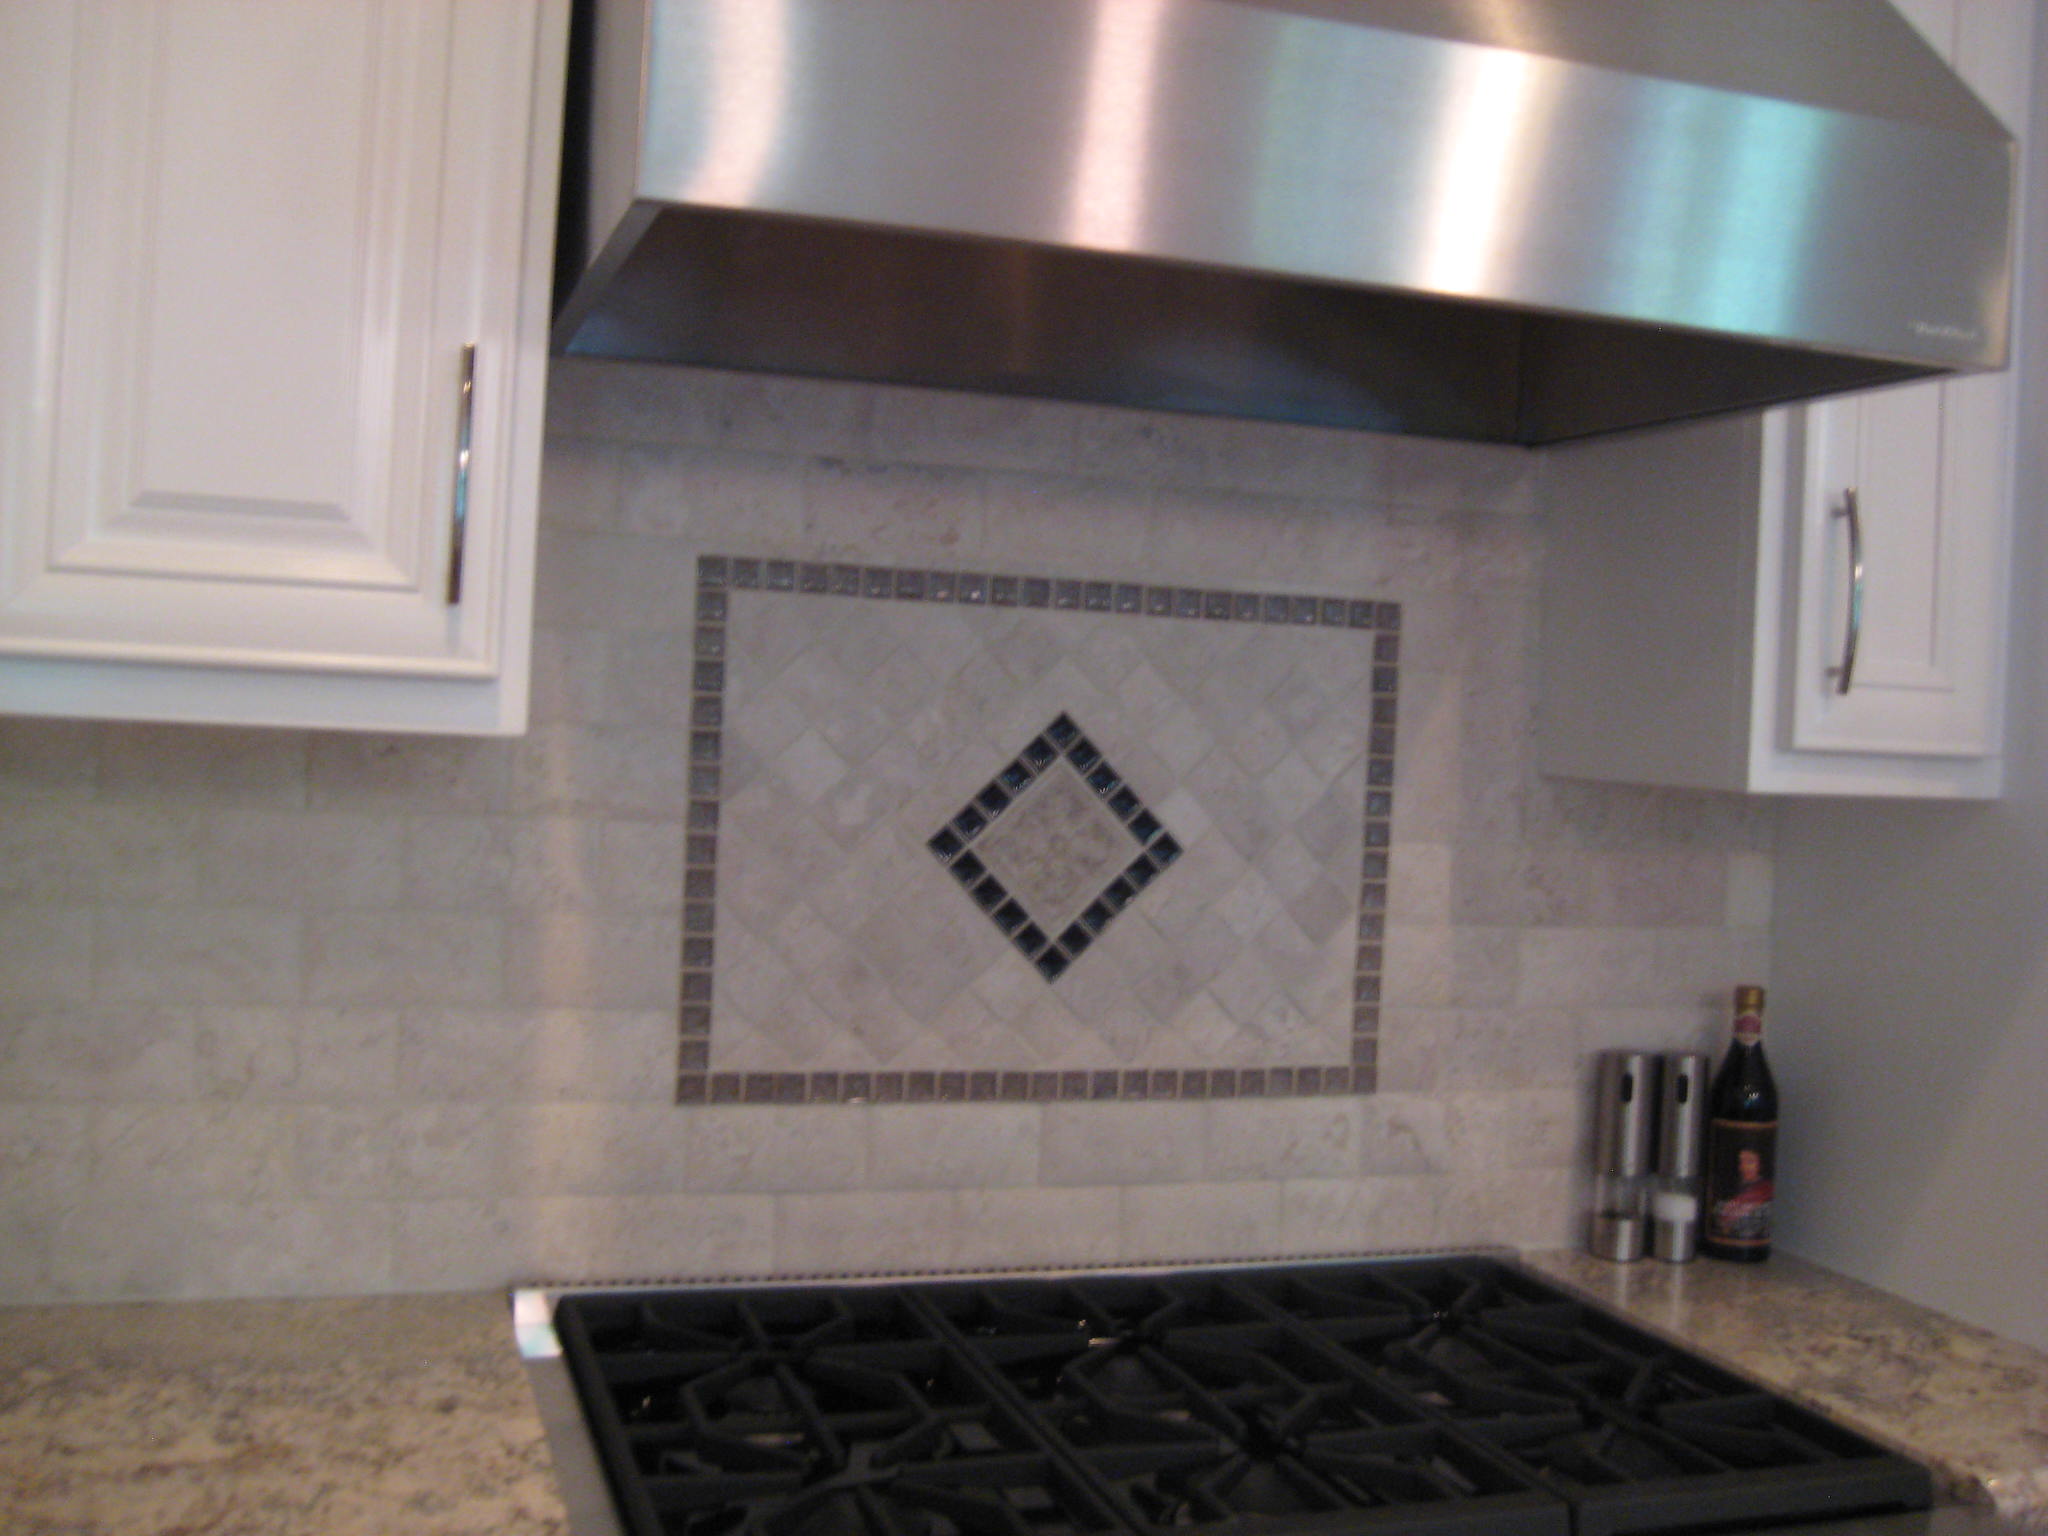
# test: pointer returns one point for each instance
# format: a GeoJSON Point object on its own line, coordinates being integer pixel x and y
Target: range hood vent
{"type": "Point", "coordinates": [1517, 222]}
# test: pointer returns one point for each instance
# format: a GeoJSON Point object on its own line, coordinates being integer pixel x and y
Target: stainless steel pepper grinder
{"type": "Point", "coordinates": [1681, 1139]}
{"type": "Point", "coordinates": [1625, 1117]}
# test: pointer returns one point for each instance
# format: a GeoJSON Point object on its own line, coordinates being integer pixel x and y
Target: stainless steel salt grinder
{"type": "Point", "coordinates": [1681, 1139]}
{"type": "Point", "coordinates": [1625, 1116]}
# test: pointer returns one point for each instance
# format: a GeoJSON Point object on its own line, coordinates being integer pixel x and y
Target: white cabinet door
{"type": "Point", "coordinates": [269, 268]}
{"type": "Point", "coordinates": [1917, 634]}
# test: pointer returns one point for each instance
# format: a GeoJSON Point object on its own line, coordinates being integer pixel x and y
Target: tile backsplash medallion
{"type": "Point", "coordinates": [298, 1012]}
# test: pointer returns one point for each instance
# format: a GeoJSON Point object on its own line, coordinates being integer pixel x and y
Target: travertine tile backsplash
{"type": "Point", "coordinates": [297, 1012]}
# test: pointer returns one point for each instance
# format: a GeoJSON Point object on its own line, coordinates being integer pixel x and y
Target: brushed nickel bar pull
{"type": "Point", "coordinates": [1847, 670]}
{"type": "Point", "coordinates": [458, 526]}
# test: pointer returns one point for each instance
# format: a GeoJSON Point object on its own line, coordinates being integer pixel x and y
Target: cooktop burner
{"type": "Point", "coordinates": [1437, 1396]}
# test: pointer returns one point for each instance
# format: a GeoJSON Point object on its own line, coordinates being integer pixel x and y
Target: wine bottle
{"type": "Point", "coordinates": [1742, 1142]}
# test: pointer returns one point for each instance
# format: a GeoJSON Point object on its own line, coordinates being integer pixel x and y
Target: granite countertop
{"type": "Point", "coordinates": [388, 1416]}
{"type": "Point", "coordinates": [1970, 1405]}
{"type": "Point", "coordinates": [413, 1416]}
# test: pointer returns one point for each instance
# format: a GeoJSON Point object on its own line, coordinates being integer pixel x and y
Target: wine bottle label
{"type": "Point", "coordinates": [1749, 1028]}
{"type": "Point", "coordinates": [1741, 1167]}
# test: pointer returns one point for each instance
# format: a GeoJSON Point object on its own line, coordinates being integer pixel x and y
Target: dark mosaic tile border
{"type": "Point", "coordinates": [720, 575]}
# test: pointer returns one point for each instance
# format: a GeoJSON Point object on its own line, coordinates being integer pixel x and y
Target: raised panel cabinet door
{"type": "Point", "coordinates": [285, 329]}
{"type": "Point", "coordinates": [1917, 637]}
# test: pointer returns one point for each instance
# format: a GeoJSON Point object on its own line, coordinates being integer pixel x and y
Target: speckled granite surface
{"type": "Point", "coordinates": [392, 1416]}
{"type": "Point", "coordinates": [412, 1416]}
{"type": "Point", "coordinates": [1972, 1406]}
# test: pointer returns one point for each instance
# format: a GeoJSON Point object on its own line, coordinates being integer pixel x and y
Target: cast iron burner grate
{"type": "Point", "coordinates": [1432, 1396]}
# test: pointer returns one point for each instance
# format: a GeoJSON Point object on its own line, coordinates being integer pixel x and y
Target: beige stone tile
{"type": "Point", "coordinates": [1076, 523]}
{"type": "Point", "coordinates": [772, 413]}
{"type": "Point", "coordinates": [618, 582]}
{"type": "Point", "coordinates": [587, 958]}
{"type": "Point", "coordinates": [1524, 1129]}
{"type": "Point", "coordinates": [45, 953]}
{"type": "Point", "coordinates": [181, 1152]}
{"type": "Point", "coordinates": [1518, 1207]}
{"type": "Point", "coordinates": [595, 1149]}
{"type": "Point", "coordinates": [55, 758]}
{"type": "Point", "coordinates": [970, 431]}
{"type": "Point", "coordinates": [623, 402]}
{"type": "Point", "coordinates": [410, 774]}
{"type": "Point", "coordinates": [1124, 1143]}
{"type": "Point", "coordinates": [197, 954]}
{"type": "Point", "coordinates": [115, 1248]}
{"type": "Point", "coordinates": [55, 849]}
{"type": "Point", "coordinates": [347, 1152]}
{"type": "Point", "coordinates": [1384, 1214]}
{"type": "Point", "coordinates": [612, 770]}
{"type": "Point", "coordinates": [1283, 1138]}
{"type": "Point", "coordinates": [43, 1155]}
{"type": "Point", "coordinates": [1404, 1135]}
{"type": "Point", "coordinates": [395, 957]}
{"type": "Point", "coordinates": [1038, 1228]}
{"type": "Point", "coordinates": [443, 1150]}
{"type": "Point", "coordinates": [571, 675]}
{"type": "Point", "coordinates": [866, 1232]}
{"type": "Point", "coordinates": [1498, 1048]}
{"type": "Point", "coordinates": [471, 1244]}
{"type": "Point", "coordinates": [1278, 458]}
{"type": "Point", "coordinates": [27, 1258]}
{"type": "Point", "coordinates": [579, 483]}
{"type": "Point", "coordinates": [456, 861]}
{"type": "Point", "coordinates": [522, 1056]}
{"type": "Point", "coordinates": [1646, 967]}
{"type": "Point", "coordinates": [919, 513]}
{"type": "Point", "coordinates": [953, 1146]}
{"type": "Point", "coordinates": [563, 861]}
{"type": "Point", "coordinates": [300, 859]}
{"type": "Point", "coordinates": [719, 499]}
{"type": "Point", "coordinates": [1172, 1223]}
{"type": "Point", "coordinates": [771, 1148]}
{"type": "Point", "coordinates": [1440, 476]}
{"type": "Point", "coordinates": [1749, 891]}
{"type": "Point", "coordinates": [110, 1053]}
{"type": "Point", "coordinates": [211, 763]}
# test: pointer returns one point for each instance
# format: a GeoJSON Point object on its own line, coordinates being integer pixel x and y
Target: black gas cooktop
{"type": "Point", "coordinates": [1434, 1396]}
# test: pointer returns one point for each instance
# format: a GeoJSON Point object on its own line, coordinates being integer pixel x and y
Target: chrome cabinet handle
{"type": "Point", "coordinates": [1854, 630]}
{"type": "Point", "coordinates": [458, 522]}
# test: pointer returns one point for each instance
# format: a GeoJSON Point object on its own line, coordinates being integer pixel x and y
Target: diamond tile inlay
{"type": "Point", "coordinates": [836, 948]}
{"type": "Point", "coordinates": [1054, 846]}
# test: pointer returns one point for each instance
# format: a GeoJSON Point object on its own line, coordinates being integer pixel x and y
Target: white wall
{"type": "Point", "coordinates": [1910, 1020]}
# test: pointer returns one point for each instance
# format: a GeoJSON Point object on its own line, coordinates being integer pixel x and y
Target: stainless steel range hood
{"type": "Point", "coordinates": [1507, 220]}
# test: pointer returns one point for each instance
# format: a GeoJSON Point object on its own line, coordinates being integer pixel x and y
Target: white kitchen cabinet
{"type": "Point", "coordinates": [247, 256]}
{"type": "Point", "coordinates": [1697, 587]}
